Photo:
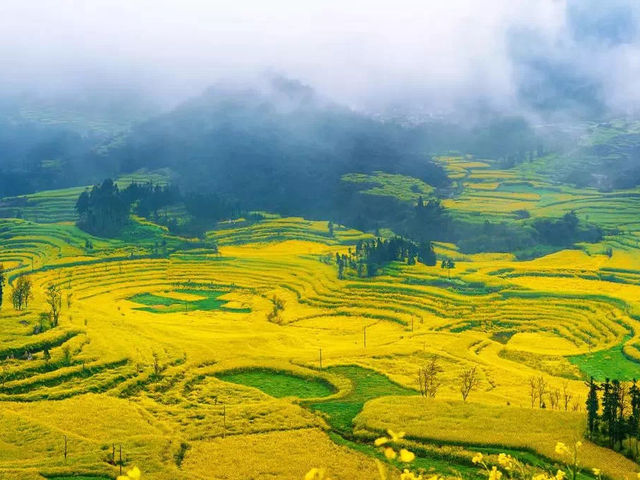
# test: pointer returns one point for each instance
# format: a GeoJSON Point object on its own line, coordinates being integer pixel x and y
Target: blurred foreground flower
{"type": "Point", "coordinates": [316, 474]}
{"type": "Point", "coordinates": [133, 474]}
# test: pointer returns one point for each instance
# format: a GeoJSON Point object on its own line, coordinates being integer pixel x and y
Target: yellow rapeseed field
{"type": "Point", "coordinates": [144, 342]}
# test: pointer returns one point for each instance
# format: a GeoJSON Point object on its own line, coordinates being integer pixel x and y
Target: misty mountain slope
{"type": "Point", "coordinates": [603, 155]}
{"type": "Point", "coordinates": [45, 141]}
{"type": "Point", "coordinates": [281, 149]}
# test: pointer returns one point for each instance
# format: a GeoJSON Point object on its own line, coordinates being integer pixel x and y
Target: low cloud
{"type": "Point", "coordinates": [545, 56]}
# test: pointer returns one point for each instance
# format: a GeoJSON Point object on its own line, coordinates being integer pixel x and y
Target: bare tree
{"type": "Point", "coordinates": [554, 398]}
{"type": "Point", "coordinates": [21, 293]}
{"type": "Point", "coordinates": [566, 395]}
{"type": "Point", "coordinates": [54, 300]}
{"type": "Point", "coordinates": [278, 306]}
{"type": "Point", "coordinates": [576, 406]}
{"type": "Point", "coordinates": [533, 391]}
{"type": "Point", "coordinates": [428, 377]}
{"type": "Point", "coordinates": [157, 368]}
{"type": "Point", "coordinates": [469, 380]}
{"type": "Point", "coordinates": [541, 390]}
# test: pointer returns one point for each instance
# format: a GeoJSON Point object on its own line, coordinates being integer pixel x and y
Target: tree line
{"type": "Point", "coordinates": [370, 256]}
{"type": "Point", "coordinates": [613, 415]}
{"type": "Point", "coordinates": [105, 208]}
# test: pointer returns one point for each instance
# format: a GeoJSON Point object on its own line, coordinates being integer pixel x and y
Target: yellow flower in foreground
{"type": "Point", "coordinates": [562, 449]}
{"type": "Point", "coordinates": [495, 474]}
{"type": "Point", "coordinates": [541, 476]}
{"type": "Point", "coordinates": [506, 461]}
{"type": "Point", "coordinates": [315, 474]}
{"type": "Point", "coordinates": [390, 453]}
{"type": "Point", "coordinates": [596, 472]}
{"type": "Point", "coordinates": [380, 441]}
{"type": "Point", "coordinates": [133, 474]}
{"type": "Point", "coordinates": [406, 456]}
{"type": "Point", "coordinates": [560, 475]}
{"type": "Point", "coordinates": [407, 475]}
{"type": "Point", "coordinates": [638, 475]}
{"type": "Point", "coordinates": [395, 436]}
{"type": "Point", "coordinates": [477, 458]}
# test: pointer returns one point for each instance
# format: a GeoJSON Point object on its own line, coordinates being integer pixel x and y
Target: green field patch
{"type": "Point", "coordinates": [611, 363]}
{"type": "Point", "coordinates": [209, 300]}
{"type": "Point", "coordinates": [280, 384]}
{"type": "Point", "coordinates": [366, 385]}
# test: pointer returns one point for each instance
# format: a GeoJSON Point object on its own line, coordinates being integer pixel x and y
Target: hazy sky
{"type": "Point", "coordinates": [505, 54]}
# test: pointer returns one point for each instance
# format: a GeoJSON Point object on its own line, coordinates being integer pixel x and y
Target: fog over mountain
{"type": "Point", "coordinates": [543, 57]}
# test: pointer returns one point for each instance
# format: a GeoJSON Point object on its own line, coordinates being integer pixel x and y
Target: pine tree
{"type": "Point", "coordinates": [618, 393]}
{"type": "Point", "coordinates": [593, 405]}
{"type": "Point", "coordinates": [609, 408]}
{"type": "Point", "coordinates": [634, 420]}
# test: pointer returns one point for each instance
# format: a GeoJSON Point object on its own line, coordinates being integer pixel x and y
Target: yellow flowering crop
{"type": "Point", "coordinates": [133, 474]}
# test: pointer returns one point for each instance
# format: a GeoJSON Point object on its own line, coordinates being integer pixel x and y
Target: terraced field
{"type": "Point", "coordinates": [502, 195]}
{"type": "Point", "coordinates": [185, 361]}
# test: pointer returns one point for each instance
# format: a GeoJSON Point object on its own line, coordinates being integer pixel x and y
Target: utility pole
{"type": "Point", "coordinates": [364, 336]}
{"type": "Point", "coordinates": [65, 448]}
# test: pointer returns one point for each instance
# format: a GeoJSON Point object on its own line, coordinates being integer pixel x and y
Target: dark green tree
{"type": "Point", "coordinates": [448, 264]}
{"type": "Point", "coordinates": [2, 282]}
{"type": "Point", "coordinates": [634, 419]}
{"type": "Point", "coordinates": [593, 405]}
{"type": "Point", "coordinates": [609, 410]}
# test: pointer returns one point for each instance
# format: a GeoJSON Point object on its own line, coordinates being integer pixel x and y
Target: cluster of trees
{"type": "Point", "coordinates": [278, 306]}
{"type": "Point", "coordinates": [429, 380]}
{"type": "Point", "coordinates": [429, 221]}
{"type": "Point", "coordinates": [147, 199]}
{"type": "Point", "coordinates": [613, 414]}
{"type": "Point", "coordinates": [105, 209]}
{"type": "Point", "coordinates": [370, 256]}
{"type": "Point", "coordinates": [543, 395]}
{"type": "Point", "coordinates": [565, 230]}
{"type": "Point", "coordinates": [21, 293]}
{"type": "Point", "coordinates": [204, 209]}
